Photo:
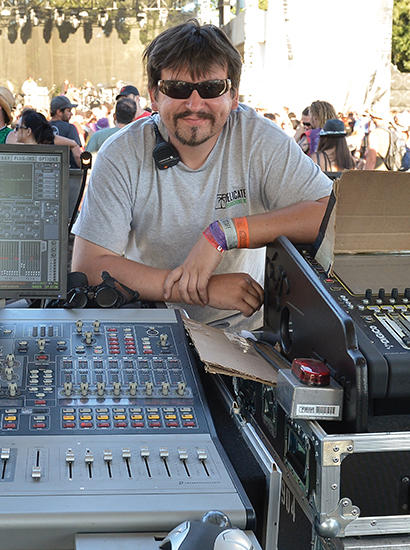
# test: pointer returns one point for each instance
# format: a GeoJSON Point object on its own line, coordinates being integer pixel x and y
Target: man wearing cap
{"type": "Point", "coordinates": [132, 93]}
{"type": "Point", "coordinates": [6, 105]}
{"type": "Point", "coordinates": [60, 113]}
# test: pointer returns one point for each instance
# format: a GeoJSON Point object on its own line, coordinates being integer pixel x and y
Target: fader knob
{"type": "Point", "coordinates": [68, 388]}
{"type": "Point", "coordinates": [84, 388]}
{"type": "Point", "coordinates": [165, 388]}
{"type": "Point", "coordinates": [10, 360]}
{"type": "Point", "coordinates": [12, 389]}
{"type": "Point", "coordinates": [406, 295]}
{"type": "Point", "coordinates": [8, 371]}
{"type": "Point", "coordinates": [88, 337]}
{"type": "Point", "coordinates": [149, 386]}
{"type": "Point", "coordinates": [133, 388]}
{"type": "Point", "coordinates": [116, 388]}
{"type": "Point", "coordinates": [163, 340]}
{"type": "Point", "coordinates": [181, 388]}
{"type": "Point", "coordinates": [100, 388]}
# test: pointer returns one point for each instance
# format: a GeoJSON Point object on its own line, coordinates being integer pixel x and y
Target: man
{"type": "Point", "coordinates": [125, 110]}
{"type": "Point", "coordinates": [378, 142]}
{"type": "Point", "coordinates": [60, 113]}
{"type": "Point", "coordinates": [131, 92]}
{"type": "Point", "coordinates": [6, 106]}
{"type": "Point", "coordinates": [144, 225]}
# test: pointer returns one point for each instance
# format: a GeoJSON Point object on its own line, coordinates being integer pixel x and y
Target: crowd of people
{"type": "Point", "coordinates": [63, 123]}
{"type": "Point", "coordinates": [338, 141]}
{"type": "Point", "coordinates": [334, 141]}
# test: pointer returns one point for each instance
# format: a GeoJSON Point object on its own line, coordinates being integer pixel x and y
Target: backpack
{"type": "Point", "coordinates": [398, 154]}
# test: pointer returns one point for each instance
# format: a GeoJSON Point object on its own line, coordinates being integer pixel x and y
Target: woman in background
{"type": "Point", "coordinates": [33, 128]}
{"type": "Point", "coordinates": [333, 154]}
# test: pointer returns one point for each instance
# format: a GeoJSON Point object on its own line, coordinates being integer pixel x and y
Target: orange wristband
{"type": "Point", "coordinates": [242, 231]}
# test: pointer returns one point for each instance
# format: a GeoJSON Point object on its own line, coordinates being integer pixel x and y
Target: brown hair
{"type": "Point", "coordinates": [323, 111]}
{"type": "Point", "coordinates": [344, 159]}
{"type": "Point", "coordinates": [195, 48]}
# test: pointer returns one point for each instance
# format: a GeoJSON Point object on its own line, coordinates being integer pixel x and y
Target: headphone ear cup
{"type": "Point", "coordinates": [76, 298]}
{"type": "Point", "coordinates": [76, 279]}
{"type": "Point", "coordinates": [106, 297]}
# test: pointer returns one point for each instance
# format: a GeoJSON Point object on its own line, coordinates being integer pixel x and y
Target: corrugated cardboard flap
{"type": "Point", "coordinates": [368, 233]}
{"type": "Point", "coordinates": [372, 212]}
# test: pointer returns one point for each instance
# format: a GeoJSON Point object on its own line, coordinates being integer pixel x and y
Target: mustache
{"type": "Point", "coordinates": [198, 114]}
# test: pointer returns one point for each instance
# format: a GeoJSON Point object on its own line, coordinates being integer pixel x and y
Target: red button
{"type": "Point", "coordinates": [120, 424]}
{"type": "Point", "coordinates": [39, 425]}
{"type": "Point", "coordinates": [68, 425]}
{"type": "Point", "coordinates": [86, 424]}
{"type": "Point", "coordinates": [189, 424]}
{"type": "Point", "coordinates": [9, 425]}
{"type": "Point", "coordinates": [40, 402]}
{"type": "Point", "coordinates": [103, 424]}
{"type": "Point", "coordinates": [137, 424]}
{"type": "Point", "coordinates": [172, 424]}
{"type": "Point", "coordinates": [155, 424]}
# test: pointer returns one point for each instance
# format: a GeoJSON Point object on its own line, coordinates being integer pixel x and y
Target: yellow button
{"type": "Point", "coordinates": [187, 416]}
{"type": "Point", "coordinates": [170, 416]}
{"type": "Point", "coordinates": [136, 417]}
{"type": "Point", "coordinates": [119, 416]}
{"type": "Point", "coordinates": [153, 416]}
{"type": "Point", "coordinates": [68, 417]}
{"type": "Point", "coordinates": [103, 417]}
{"type": "Point", "coordinates": [86, 417]}
{"type": "Point", "coordinates": [10, 418]}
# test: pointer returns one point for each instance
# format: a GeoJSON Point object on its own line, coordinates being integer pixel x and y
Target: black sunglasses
{"type": "Point", "coordinates": [178, 89]}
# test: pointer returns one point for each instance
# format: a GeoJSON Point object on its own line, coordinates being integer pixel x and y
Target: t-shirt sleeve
{"type": "Point", "coordinates": [293, 177]}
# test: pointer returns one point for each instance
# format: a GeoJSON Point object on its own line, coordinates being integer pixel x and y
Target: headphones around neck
{"type": "Point", "coordinates": [165, 155]}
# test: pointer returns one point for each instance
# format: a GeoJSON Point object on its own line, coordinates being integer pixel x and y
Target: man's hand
{"type": "Point", "coordinates": [194, 274]}
{"type": "Point", "coordinates": [235, 291]}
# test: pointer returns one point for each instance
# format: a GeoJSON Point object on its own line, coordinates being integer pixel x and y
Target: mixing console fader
{"type": "Point", "coordinates": [104, 428]}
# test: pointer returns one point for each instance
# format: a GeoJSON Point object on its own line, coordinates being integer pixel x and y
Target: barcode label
{"type": "Point", "coordinates": [318, 410]}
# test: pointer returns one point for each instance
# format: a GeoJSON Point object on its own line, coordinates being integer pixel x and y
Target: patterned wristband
{"type": "Point", "coordinates": [231, 235]}
{"type": "Point", "coordinates": [210, 238]}
{"type": "Point", "coordinates": [242, 230]}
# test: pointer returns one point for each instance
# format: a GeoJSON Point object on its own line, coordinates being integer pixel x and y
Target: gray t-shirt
{"type": "Point", "coordinates": [156, 216]}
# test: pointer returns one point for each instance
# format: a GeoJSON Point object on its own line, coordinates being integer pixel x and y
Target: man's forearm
{"type": "Point", "coordinates": [299, 222]}
{"type": "Point", "coordinates": [91, 259]}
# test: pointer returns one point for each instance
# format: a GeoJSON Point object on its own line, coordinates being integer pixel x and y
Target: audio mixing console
{"type": "Point", "coordinates": [104, 428]}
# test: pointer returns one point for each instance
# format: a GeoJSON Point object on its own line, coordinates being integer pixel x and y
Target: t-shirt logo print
{"type": "Point", "coordinates": [226, 200]}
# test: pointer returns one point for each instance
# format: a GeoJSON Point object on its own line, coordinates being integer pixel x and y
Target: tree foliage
{"type": "Point", "coordinates": [401, 35]}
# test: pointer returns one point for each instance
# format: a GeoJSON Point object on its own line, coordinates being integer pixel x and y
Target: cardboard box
{"type": "Point", "coordinates": [367, 238]}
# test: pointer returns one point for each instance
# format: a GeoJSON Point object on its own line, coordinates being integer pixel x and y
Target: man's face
{"type": "Point", "coordinates": [194, 121]}
{"type": "Point", "coordinates": [66, 114]}
{"type": "Point", "coordinates": [306, 121]}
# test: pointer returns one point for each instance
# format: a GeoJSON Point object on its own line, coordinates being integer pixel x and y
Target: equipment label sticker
{"type": "Point", "coordinates": [324, 411]}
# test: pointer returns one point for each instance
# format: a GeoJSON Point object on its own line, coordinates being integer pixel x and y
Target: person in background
{"type": "Point", "coordinates": [132, 93]}
{"type": "Point", "coordinates": [60, 113]}
{"type": "Point", "coordinates": [303, 126]}
{"type": "Point", "coordinates": [378, 141]}
{"type": "Point", "coordinates": [33, 128]}
{"type": "Point", "coordinates": [125, 110]}
{"type": "Point", "coordinates": [319, 112]}
{"type": "Point", "coordinates": [6, 107]}
{"type": "Point", "coordinates": [333, 154]}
